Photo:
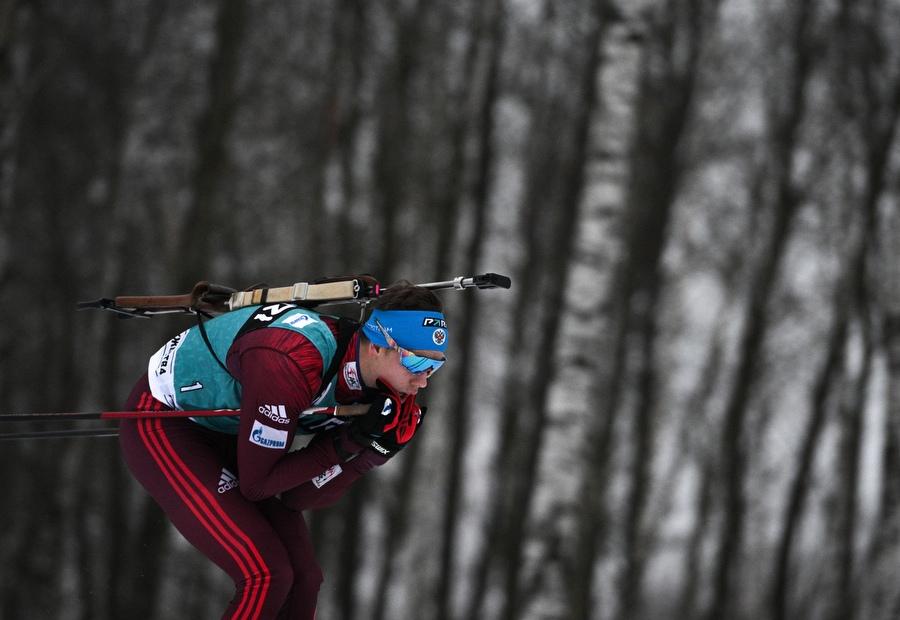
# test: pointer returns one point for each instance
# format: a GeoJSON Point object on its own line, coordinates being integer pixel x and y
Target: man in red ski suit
{"type": "Point", "coordinates": [236, 492]}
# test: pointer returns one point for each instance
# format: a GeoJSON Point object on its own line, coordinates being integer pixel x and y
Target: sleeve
{"type": "Point", "coordinates": [278, 382]}
{"type": "Point", "coordinates": [328, 487]}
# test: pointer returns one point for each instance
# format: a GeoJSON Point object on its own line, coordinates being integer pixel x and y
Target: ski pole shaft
{"type": "Point", "coordinates": [336, 410]}
{"type": "Point", "coordinates": [113, 415]}
{"type": "Point", "coordinates": [81, 432]}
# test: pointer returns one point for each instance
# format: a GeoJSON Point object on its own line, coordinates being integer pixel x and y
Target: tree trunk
{"type": "Point", "coordinates": [785, 126]}
{"type": "Point", "coordinates": [878, 136]}
{"type": "Point", "coordinates": [693, 567]}
{"type": "Point", "coordinates": [389, 160]}
{"type": "Point", "coordinates": [695, 445]}
{"type": "Point", "coordinates": [801, 483]}
{"type": "Point", "coordinates": [390, 181]}
{"type": "Point", "coordinates": [845, 597]}
{"type": "Point", "coordinates": [350, 41]}
{"type": "Point", "coordinates": [86, 562]}
{"type": "Point", "coordinates": [885, 598]}
{"type": "Point", "coordinates": [542, 157]}
{"type": "Point", "coordinates": [885, 544]}
{"type": "Point", "coordinates": [459, 400]}
{"type": "Point", "coordinates": [446, 215]}
{"type": "Point", "coordinates": [535, 412]}
{"type": "Point", "coordinates": [191, 263]}
{"type": "Point", "coordinates": [349, 552]}
{"type": "Point", "coordinates": [656, 172]}
{"type": "Point", "coordinates": [194, 261]}
{"type": "Point", "coordinates": [151, 544]}
{"type": "Point", "coordinates": [875, 106]}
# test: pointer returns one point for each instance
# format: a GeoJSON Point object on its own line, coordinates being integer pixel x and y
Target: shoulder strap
{"type": "Point", "coordinates": [346, 329]}
{"type": "Point", "coordinates": [202, 330]}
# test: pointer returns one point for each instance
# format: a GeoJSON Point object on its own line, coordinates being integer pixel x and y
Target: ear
{"type": "Point", "coordinates": [374, 349]}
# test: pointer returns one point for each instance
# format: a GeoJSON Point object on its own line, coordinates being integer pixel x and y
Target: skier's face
{"type": "Point", "coordinates": [395, 373]}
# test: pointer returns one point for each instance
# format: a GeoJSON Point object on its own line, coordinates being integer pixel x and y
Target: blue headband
{"type": "Point", "coordinates": [412, 329]}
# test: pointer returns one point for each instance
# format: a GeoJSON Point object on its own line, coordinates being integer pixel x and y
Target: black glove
{"type": "Point", "coordinates": [392, 442]}
{"type": "Point", "coordinates": [380, 417]}
{"type": "Point", "coordinates": [390, 422]}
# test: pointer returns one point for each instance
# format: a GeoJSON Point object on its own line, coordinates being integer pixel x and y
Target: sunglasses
{"type": "Point", "coordinates": [416, 364]}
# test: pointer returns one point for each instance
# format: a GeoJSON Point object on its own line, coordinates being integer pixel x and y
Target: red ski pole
{"type": "Point", "coordinates": [336, 410]}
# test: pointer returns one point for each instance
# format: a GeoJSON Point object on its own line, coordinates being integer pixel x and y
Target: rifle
{"type": "Point", "coordinates": [211, 299]}
{"type": "Point", "coordinates": [207, 300]}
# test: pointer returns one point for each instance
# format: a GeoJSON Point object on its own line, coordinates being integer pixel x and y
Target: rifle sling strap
{"type": "Point", "coordinates": [346, 329]}
{"type": "Point", "coordinates": [202, 329]}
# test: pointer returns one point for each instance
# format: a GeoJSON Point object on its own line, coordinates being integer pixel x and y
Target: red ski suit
{"type": "Point", "coordinates": [239, 502]}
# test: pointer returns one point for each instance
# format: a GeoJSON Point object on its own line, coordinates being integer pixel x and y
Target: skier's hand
{"type": "Point", "coordinates": [411, 417]}
{"type": "Point", "coordinates": [390, 422]}
{"type": "Point", "coordinates": [380, 418]}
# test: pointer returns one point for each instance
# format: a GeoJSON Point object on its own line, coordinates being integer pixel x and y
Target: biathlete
{"type": "Point", "coordinates": [233, 486]}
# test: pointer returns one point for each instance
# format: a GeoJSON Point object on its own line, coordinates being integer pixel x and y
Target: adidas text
{"type": "Point", "coordinates": [227, 481]}
{"type": "Point", "coordinates": [278, 413]}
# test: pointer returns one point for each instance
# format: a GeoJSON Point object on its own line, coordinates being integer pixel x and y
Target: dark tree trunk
{"type": "Point", "coordinates": [194, 260]}
{"type": "Point", "coordinates": [105, 462]}
{"type": "Point", "coordinates": [535, 411]}
{"type": "Point", "coordinates": [150, 543]}
{"type": "Point", "coordinates": [880, 138]}
{"type": "Point", "coordinates": [693, 567]}
{"type": "Point", "coordinates": [446, 218]}
{"type": "Point", "coordinates": [800, 484]}
{"type": "Point", "coordinates": [695, 444]}
{"type": "Point", "coordinates": [393, 134]}
{"type": "Point", "coordinates": [191, 263]}
{"type": "Point", "coordinates": [389, 178]}
{"type": "Point", "coordinates": [878, 120]}
{"type": "Point", "coordinates": [885, 598]}
{"type": "Point", "coordinates": [656, 173]}
{"type": "Point", "coordinates": [459, 400]}
{"type": "Point", "coordinates": [542, 156]}
{"type": "Point", "coordinates": [785, 126]}
{"type": "Point", "coordinates": [349, 555]}
{"type": "Point", "coordinates": [845, 597]}
{"type": "Point", "coordinates": [351, 43]}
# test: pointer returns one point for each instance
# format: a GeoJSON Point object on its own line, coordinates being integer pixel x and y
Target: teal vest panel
{"type": "Point", "coordinates": [198, 381]}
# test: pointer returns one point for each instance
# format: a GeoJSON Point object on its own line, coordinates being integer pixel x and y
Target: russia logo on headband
{"type": "Point", "coordinates": [422, 330]}
{"type": "Point", "coordinates": [439, 336]}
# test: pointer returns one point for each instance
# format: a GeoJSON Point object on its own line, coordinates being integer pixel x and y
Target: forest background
{"type": "Point", "coordinates": [687, 406]}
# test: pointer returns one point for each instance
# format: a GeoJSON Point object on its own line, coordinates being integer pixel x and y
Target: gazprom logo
{"type": "Point", "coordinates": [267, 437]}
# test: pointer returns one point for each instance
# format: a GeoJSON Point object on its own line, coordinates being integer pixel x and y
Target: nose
{"type": "Point", "coordinates": [420, 381]}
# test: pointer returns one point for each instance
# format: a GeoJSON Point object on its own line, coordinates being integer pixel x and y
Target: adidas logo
{"type": "Point", "coordinates": [227, 481]}
{"type": "Point", "coordinates": [275, 412]}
